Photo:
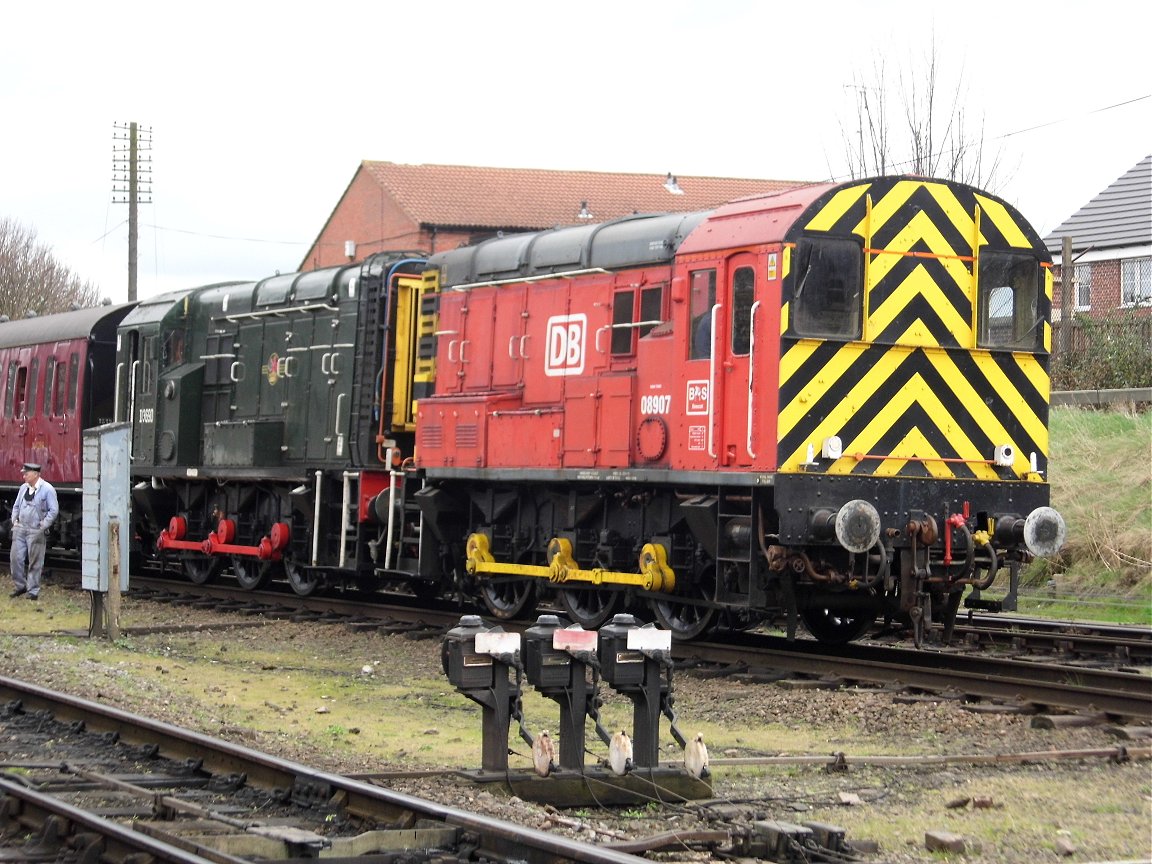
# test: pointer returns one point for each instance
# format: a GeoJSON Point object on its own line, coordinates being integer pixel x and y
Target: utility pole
{"type": "Point", "coordinates": [1067, 298]}
{"type": "Point", "coordinates": [128, 182]}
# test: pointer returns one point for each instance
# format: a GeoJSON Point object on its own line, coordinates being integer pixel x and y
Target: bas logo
{"type": "Point", "coordinates": [566, 340]}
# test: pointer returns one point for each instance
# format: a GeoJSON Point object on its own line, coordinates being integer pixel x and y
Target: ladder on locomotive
{"type": "Point", "coordinates": [736, 544]}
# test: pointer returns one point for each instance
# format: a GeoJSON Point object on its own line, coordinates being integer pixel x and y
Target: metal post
{"type": "Point", "coordinates": [1067, 301]}
{"type": "Point", "coordinates": [114, 553]}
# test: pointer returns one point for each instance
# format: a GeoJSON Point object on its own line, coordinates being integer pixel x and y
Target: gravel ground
{"type": "Point", "coordinates": [341, 698]}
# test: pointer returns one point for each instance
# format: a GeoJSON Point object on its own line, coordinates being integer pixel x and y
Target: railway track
{"type": "Point", "coordinates": [124, 788]}
{"type": "Point", "coordinates": [1034, 666]}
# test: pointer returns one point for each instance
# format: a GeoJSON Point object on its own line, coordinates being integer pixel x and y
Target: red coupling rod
{"type": "Point", "coordinates": [219, 542]}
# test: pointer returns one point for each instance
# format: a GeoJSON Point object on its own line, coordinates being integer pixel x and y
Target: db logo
{"type": "Point", "coordinates": [566, 341]}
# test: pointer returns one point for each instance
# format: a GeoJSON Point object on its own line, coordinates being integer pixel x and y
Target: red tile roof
{"type": "Point", "coordinates": [528, 198]}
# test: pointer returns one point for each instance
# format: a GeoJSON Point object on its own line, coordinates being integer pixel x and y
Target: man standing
{"type": "Point", "coordinates": [33, 513]}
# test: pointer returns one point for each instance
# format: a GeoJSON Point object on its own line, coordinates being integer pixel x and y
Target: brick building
{"type": "Point", "coordinates": [1111, 249]}
{"type": "Point", "coordinates": [431, 208]}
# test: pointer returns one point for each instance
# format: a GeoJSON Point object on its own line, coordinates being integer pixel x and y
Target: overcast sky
{"type": "Point", "coordinates": [260, 113]}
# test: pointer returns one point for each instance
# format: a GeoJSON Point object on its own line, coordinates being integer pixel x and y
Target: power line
{"type": "Point", "coordinates": [1068, 119]}
{"type": "Point", "coordinates": [228, 237]}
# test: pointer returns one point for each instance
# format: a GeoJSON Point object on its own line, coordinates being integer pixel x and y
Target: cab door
{"type": "Point", "coordinates": [736, 336]}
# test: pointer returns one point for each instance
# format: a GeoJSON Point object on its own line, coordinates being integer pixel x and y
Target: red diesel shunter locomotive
{"type": "Point", "coordinates": [827, 404]}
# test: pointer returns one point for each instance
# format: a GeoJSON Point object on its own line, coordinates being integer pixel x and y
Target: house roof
{"type": "Point", "coordinates": [527, 198]}
{"type": "Point", "coordinates": [1119, 216]}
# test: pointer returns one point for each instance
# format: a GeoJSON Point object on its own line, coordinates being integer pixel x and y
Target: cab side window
{"type": "Point", "coordinates": [635, 316]}
{"type": "Point", "coordinates": [702, 291]}
{"type": "Point", "coordinates": [743, 296]}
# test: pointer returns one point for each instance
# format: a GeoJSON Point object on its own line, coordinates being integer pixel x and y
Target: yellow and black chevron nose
{"type": "Point", "coordinates": [914, 392]}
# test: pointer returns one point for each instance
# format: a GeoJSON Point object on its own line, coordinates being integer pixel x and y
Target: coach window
{"type": "Point", "coordinates": [1009, 312]}
{"type": "Point", "coordinates": [49, 383]}
{"type": "Point", "coordinates": [10, 390]}
{"type": "Point", "coordinates": [827, 288]}
{"type": "Point", "coordinates": [33, 375]}
{"type": "Point", "coordinates": [60, 388]}
{"type": "Point", "coordinates": [703, 298]}
{"type": "Point", "coordinates": [17, 385]}
{"type": "Point", "coordinates": [73, 381]}
{"type": "Point", "coordinates": [743, 295]}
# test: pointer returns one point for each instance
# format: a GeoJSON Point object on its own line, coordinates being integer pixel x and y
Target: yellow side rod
{"type": "Point", "coordinates": [654, 575]}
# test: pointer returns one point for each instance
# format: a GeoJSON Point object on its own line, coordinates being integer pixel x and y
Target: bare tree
{"type": "Point", "coordinates": [32, 280]}
{"type": "Point", "coordinates": [933, 138]}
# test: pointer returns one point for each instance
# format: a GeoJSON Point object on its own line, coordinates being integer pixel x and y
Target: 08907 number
{"type": "Point", "coordinates": [655, 404]}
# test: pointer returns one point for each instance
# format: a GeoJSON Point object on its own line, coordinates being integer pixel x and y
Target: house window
{"type": "Point", "coordinates": [1136, 281]}
{"type": "Point", "coordinates": [1082, 281]}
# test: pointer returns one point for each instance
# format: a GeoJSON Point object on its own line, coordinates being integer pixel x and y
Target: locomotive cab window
{"type": "Point", "coordinates": [173, 348]}
{"type": "Point", "coordinates": [702, 291]}
{"type": "Point", "coordinates": [635, 316]}
{"type": "Point", "coordinates": [743, 296]}
{"type": "Point", "coordinates": [1009, 302]}
{"type": "Point", "coordinates": [827, 288]}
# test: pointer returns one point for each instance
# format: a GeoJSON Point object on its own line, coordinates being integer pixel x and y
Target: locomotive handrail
{"type": "Point", "coordinates": [316, 519]}
{"type": "Point", "coordinates": [627, 325]}
{"type": "Point", "coordinates": [751, 372]}
{"type": "Point", "coordinates": [291, 310]}
{"type": "Point", "coordinates": [716, 307]}
{"type": "Point", "coordinates": [132, 404]}
{"type": "Point", "coordinates": [345, 511]}
{"type": "Point", "coordinates": [564, 274]}
{"type": "Point", "coordinates": [116, 397]}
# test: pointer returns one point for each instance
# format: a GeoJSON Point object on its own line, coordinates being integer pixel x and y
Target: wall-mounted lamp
{"type": "Point", "coordinates": [350, 250]}
{"type": "Point", "coordinates": [672, 186]}
{"type": "Point", "coordinates": [584, 213]}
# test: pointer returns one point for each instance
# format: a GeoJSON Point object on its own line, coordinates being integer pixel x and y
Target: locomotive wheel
{"type": "Point", "coordinates": [201, 570]}
{"type": "Point", "coordinates": [591, 607]}
{"type": "Point", "coordinates": [835, 628]}
{"type": "Point", "coordinates": [303, 581]}
{"type": "Point", "coordinates": [688, 620]}
{"type": "Point", "coordinates": [250, 573]}
{"type": "Point", "coordinates": [507, 599]}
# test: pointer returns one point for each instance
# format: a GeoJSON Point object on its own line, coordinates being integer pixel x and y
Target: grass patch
{"type": "Point", "coordinates": [1101, 478]}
